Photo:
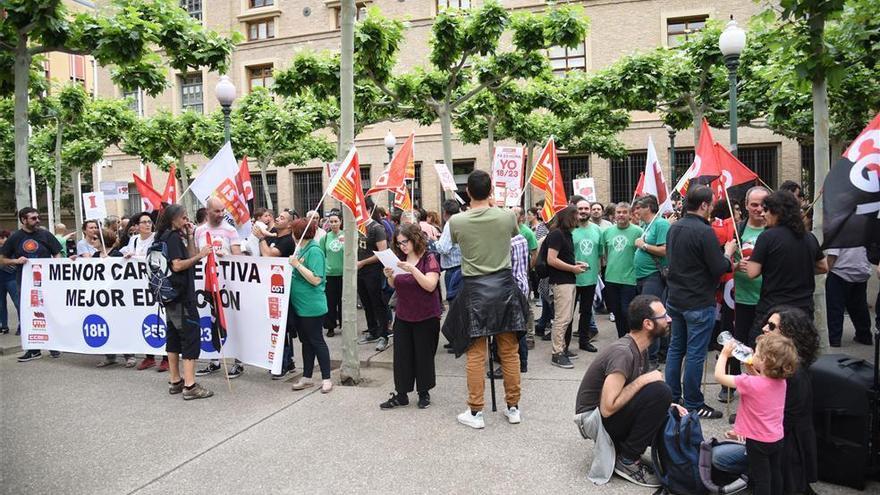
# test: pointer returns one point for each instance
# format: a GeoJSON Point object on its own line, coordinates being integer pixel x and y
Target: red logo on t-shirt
{"type": "Point", "coordinates": [30, 246]}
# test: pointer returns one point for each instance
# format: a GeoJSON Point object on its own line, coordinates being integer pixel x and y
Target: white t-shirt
{"type": "Point", "coordinates": [223, 237]}
{"type": "Point", "coordinates": [252, 244]}
{"type": "Point", "coordinates": [83, 247]}
{"type": "Point", "coordinates": [138, 247]}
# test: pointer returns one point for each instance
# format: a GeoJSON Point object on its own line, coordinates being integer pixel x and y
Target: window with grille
{"type": "Point", "coordinates": [460, 171]}
{"type": "Point", "coordinates": [684, 157]}
{"type": "Point", "coordinates": [625, 175]}
{"type": "Point", "coordinates": [762, 159]}
{"type": "Point", "coordinates": [193, 8]}
{"type": "Point", "coordinates": [808, 170]}
{"type": "Point", "coordinates": [573, 167]}
{"type": "Point", "coordinates": [134, 200]}
{"type": "Point", "coordinates": [365, 178]}
{"type": "Point", "coordinates": [260, 77]}
{"type": "Point", "coordinates": [135, 101]}
{"type": "Point", "coordinates": [417, 185]}
{"type": "Point", "coordinates": [681, 29]}
{"type": "Point", "coordinates": [191, 96]}
{"type": "Point", "coordinates": [455, 4]}
{"type": "Point", "coordinates": [359, 15]}
{"type": "Point", "coordinates": [564, 59]}
{"type": "Point", "coordinates": [261, 30]}
{"type": "Point", "coordinates": [308, 187]}
{"type": "Point", "coordinates": [260, 190]}
{"type": "Point", "coordinates": [255, 4]}
{"type": "Point", "coordinates": [78, 69]}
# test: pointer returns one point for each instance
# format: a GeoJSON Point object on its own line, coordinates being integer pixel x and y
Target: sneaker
{"type": "Point", "coordinates": [55, 354]}
{"type": "Point", "coordinates": [726, 395]}
{"type": "Point", "coordinates": [530, 342]}
{"type": "Point", "coordinates": [196, 392]}
{"type": "Point", "coordinates": [163, 366]}
{"type": "Point", "coordinates": [475, 421]}
{"type": "Point", "coordinates": [866, 340]}
{"type": "Point", "coordinates": [589, 348]}
{"type": "Point", "coordinates": [382, 344]}
{"type": "Point", "coordinates": [207, 370]}
{"type": "Point", "coordinates": [570, 355]}
{"type": "Point", "coordinates": [148, 362]}
{"type": "Point", "coordinates": [130, 362]}
{"type": "Point", "coordinates": [611, 317]}
{"type": "Point", "coordinates": [281, 376]}
{"type": "Point", "coordinates": [396, 400]}
{"type": "Point", "coordinates": [706, 412]}
{"type": "Point", "coordinates": [175, 388]}
{"type": "Point", "coordinates": [547, 337]}
{"type": "Point", "coordinates": [107, 362]}
{"type": "Point", "coordinates": [326, 386]}
{"type": "Point", "coordinates": [513, 416]}
{"type": "Point", "coordinates": [424, 400]}
{"type": "Point", "coordinates": [30, 356]}
{"type": "Point", "coordinates": [368, 339]}
{"type": "Point", "coordinates": [235, 371]}
{"type": "Point", "coordinates": [4, 329]}
{"type": "Point", "coordinates": [561, 361]}
{"type": "Point", "coordinates": [637, 472]}
{"type": "Point", "coordinates": [331, 333]}
{"type": "Point", "coordinates": [302, 384]}
{"type": "Point", "coordinates": [523, 367]}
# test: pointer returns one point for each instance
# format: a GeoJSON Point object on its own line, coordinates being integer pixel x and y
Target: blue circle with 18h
{"type": "Point", "coordinates": [205, 334]}
{"type": "Point", "coordinates": [96, 331]}
{"type": "Point", "coordinates": [153, 329]}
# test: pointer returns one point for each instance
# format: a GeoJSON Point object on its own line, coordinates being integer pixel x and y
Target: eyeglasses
{"type": "Point", "coordinates": [146, 222]}
{"type": "Point", "coordinates": [661, 317]}
{"type": "Point", "coordinates": [403, 243]}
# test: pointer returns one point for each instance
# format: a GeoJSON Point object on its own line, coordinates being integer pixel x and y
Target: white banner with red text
{"type": "Point", "coordinates": [103, 306]}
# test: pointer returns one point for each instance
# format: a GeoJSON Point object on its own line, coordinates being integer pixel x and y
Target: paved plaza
{"type": "Point", "coordinates": [68, 428]}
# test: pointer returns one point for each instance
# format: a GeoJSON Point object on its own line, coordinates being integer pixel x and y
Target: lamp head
{"type": "Point", "coordinates": [732, 40]}
{"type": "Point", "coordinates": [225, 91]}
{"type": "Point", "coordinates": [390, 140]}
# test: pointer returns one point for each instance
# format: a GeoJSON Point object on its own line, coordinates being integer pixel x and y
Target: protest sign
{"type": "Point", "coordinates": [114, 189]}
{"type": "Point", "coordinates": [585, 187]}
{"type": "Point", "coordinates": [94, 206]}
{"type": "Point", "coordinates": [103, 306]}
{"type": "Point", "coordinates": [507, 170]}
{"type": "Point", "coordinates": [446, 179]}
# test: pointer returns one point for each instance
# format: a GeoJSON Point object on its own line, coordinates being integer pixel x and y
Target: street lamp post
{"type": "Point", "coordinates": [731, 43]}
{"type": "Point", "coordinates": [390, 142]}
{"type": "Point", "coordinates": [225, 92]}
{"type": "Point", "coordinates": [671, 131]}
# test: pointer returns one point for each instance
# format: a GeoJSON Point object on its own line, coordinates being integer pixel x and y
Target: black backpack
{"type": "Point", "coordinates": [159, 269]}
{"type": "Point", "coordinates": [541, 267]}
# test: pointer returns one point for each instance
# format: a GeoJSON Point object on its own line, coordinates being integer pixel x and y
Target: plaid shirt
{"type": "Point", "coordinates": [519, 262]}
{"type": "Point", "coordinates": [450, 254]}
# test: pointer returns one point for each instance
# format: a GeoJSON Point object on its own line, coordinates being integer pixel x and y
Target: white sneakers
{"type": "Point", "coordinates": [476, 421]}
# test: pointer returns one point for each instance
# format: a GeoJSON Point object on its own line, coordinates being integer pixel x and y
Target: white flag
{"type": "Point", "coordinates": [219, 169]}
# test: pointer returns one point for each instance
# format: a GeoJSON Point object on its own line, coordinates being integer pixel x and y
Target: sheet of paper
{"type": "Point", "coordinates": [389, 260]}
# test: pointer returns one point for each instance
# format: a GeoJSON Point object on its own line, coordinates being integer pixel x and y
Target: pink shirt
{"type": "Point", "coordinates": [761, 407]}
{"type": "Point", "coordinates": [223, 237]}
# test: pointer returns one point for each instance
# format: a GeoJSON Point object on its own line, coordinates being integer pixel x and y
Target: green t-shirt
{"type": "Point", "coordinates": [483, 234]}
{"type": "Point", "coordinates": [588, 248]}
{"type": "Point", "coordinates": [531, 240]}
{"type": "Point", "coordinates": [63, 242]}
{"type": "Point", "coordinates": [332, 246]}
{"type": "Point", "coordinates": [620, 249]}
{"type": "Point", "coordinates": [309, 300]}
{"type": "Point", "coordinates": [747, 290]}
{"type": "Point", "coordinates": [655, 236]}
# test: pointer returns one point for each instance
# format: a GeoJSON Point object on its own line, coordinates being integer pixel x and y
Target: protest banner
{"type": "Point", "coordinates": [114, 189]}
{"type": "Point", "coordinates": [507, 170]}
{"type": "Point", "coordinates": [585, 187]}
{"type": "Point", "coordinates": [103, 306]}
{"type": "Point", "coordinates": [94, 206]}
{"type": "Point", "coordinates": [447, 181]}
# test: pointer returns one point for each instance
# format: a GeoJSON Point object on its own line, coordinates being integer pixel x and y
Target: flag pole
{"type": "Point", "coordinates": [764, 184]}
{"type": "Point", "coordinates": [733, 221]}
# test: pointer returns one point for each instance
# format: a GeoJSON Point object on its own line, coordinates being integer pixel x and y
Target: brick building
{"type": "Point", "coordinates": [274, 30]}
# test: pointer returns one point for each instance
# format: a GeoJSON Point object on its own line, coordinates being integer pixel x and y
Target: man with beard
{"type": "Point", "coordinates": [619, 395]}
{"type": "Point", "coordinates": [587, 238]}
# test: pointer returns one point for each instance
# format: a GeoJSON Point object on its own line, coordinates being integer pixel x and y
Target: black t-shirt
{"type": "Point", "coordinates": [367, 244]}
{"type": "Point", "coordinates": [285, 244]}
{"type": "Point", "coordinates": [37, 244]}
{"type": "Point", "coordinates": [787, 265]}
{"type": "Point", "coordinates": [182, 281]}
{"type": "Point", "coordinates": [561, 241]}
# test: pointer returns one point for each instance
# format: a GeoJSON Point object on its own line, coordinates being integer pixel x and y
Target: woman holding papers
{"type": "Point", "coordinates": [417, 320]}
{"type": "Point", "coordinates": [309, 304]}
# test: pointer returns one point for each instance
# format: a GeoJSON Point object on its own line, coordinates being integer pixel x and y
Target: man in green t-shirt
{"type": "Point", "coordinates": [332, 245]}
{"type": "Point", "coordinates": [649, 258]}
{"type": "Point", "coordinates": [587, 239]}
{"type": "Point", "coordinates": [619, 248]}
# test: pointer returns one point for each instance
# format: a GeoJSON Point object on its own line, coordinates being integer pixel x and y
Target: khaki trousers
{"type": "Point", "coordinates": [563, 311]}
{"type": "Point", "coordinates": [477, 353]}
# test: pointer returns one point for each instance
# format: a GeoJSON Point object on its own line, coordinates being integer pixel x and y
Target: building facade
{"type": "Point", "coordinates": [274, 30]}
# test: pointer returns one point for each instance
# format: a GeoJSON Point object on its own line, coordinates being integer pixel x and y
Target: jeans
{"type": "Point", "coordinates": [634, 426]}
{"type": "Point", "coordinates": [654, 285]}
{"type": "Point", "coordinates": [453, 279]}
{"type": "Point", "coordinates": [369, 287]}
{"type": "Point", "coordinates": [851, 296]}
{"type": "Point", "coordinates": [333, 291]}
{"type": "Point", "coordinates": [730, 458]}
{"type": "Point", "coordinates": [691, 331]}
{"type": "Point", "coordinates": [617, 298]}
{"type": "Point", "coordinates": [312, 337]}
{"type": "Point", "coordinates": [9, 287]}
{"type": "Point", "coordinates": [546, 317]}
{"type": "Point", "coordinates": [586, 323]}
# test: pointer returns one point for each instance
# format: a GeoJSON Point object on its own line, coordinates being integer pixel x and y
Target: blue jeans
{"type": "Point", "coordinates": [691, 331]}
{"type": "Point", "coordinates": [654, 285]}
{"type": "Point", "coordinates": [546, 316]}
{"type": "Point", "coordinates": [8, 287]}
{"type": "Point", "coordinates": [730, 458]}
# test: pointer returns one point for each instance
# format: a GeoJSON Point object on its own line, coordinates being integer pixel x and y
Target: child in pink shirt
{"type": "Point", "coordinates": [762, 403]}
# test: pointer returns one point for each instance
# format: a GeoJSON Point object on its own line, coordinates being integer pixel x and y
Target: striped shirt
{"type": "Point", "coordinates": [450, 253]}
{"type": "Point", "coordinates": [519, 262]}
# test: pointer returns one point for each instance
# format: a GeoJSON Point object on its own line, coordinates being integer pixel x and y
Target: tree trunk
{"type": "Point", "coordinates": [56, 200]}
{"type": "Point", "coordinates": [77, 201]}
{"type": "Point", "coordinates": [445, 115]}
{"type": "Point", "coordinates": [22, 81]}
{"type": "Point", "coordinates": [490, 137]}
{"type": "Point", "coordinates": [821, 161]}
{"type": "Point", "coordinates": [185, 199]}
{"type": "Point", "coordinates": [351, 372]}
{"type": "Point", "coordinates": [697, 112]}
{"type": "Point", "coordinates": [264, 164]}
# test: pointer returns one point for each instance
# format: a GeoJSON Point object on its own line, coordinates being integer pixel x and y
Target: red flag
{"type": "Point", "coordinates": [401, 168]}
{"type": "Point", "coordinates": [149, 197]}
{"type": "Point", "coordinates": [243, 180]}
{"type": "Point", "coordinates": [706, 167]}
{"type": "Point", "coordinates": [402, 199]}
{"type": "Point", "coordinates": [346, 188]}
{"type": "Point", "coordinates": [149, 177]}
{"type": "Point", "coordinates": [212, 286]}
{"type": "Point", "coordinates": [170, 194]}
{"type": "Point", "coordinates": [733, 172]}
{"type": "Point", "coordinates": [640, 187]}
{"type": "Point", "coordinates": [547, 176]}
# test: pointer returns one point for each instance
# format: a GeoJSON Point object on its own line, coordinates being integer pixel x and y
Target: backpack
{"type": "Point", "coordinates": [676, 455]}
{"type": "Point", "coordinates": [716, 481]}
{"type": "Point", "coordinates": [159, 270]}
{"type": "Point", "coordinates": [542, 270]}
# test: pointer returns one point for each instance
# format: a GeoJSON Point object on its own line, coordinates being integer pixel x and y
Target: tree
{"type": "Point", "coordinates": [126, 36]}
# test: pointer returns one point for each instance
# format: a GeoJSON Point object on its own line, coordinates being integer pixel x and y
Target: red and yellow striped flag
{"type": "Point", "coordinates": [345, 187]}
{"type": "Point", "coordinates": [402, 199]}
{"type": "Point", "coordinates": [547, 176]}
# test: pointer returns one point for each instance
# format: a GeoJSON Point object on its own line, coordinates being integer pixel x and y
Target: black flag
{"type": "Point", "coordinates": [851, 206]}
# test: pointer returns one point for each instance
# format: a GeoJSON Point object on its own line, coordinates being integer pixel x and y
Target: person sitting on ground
{"type": "Point", "coordinates": [417, 320]}
{"type": "Point", "coordinates": [618, 396]}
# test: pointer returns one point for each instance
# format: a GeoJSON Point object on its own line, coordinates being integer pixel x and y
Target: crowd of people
{"type": "Point", "coordinates": [661, 274]}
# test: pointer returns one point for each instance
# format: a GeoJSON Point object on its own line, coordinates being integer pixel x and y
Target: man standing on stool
{"type": "Point", "coordinates": [489, 302]}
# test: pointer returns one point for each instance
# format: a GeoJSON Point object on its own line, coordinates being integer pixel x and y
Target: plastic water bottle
{"type": "Point", "coordinates": [741, 352]}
